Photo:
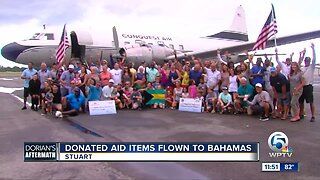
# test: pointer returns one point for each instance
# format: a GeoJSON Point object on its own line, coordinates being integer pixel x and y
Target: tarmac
{"type": "Point", "coordinates": [161, 125]}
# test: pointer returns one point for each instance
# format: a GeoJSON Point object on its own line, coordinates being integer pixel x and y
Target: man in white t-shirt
{"type": "Point", "coordinates": [107, 90]}
{"type": "Point", "coordinates": [116, 74]}
{"type": "Point", "coordinates": [307, 93]}
{"type": "Point", "coordinates": [213, 78]}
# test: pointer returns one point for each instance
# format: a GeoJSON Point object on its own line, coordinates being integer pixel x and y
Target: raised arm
{"type": "Point", "coordinates": [313, 55]}
{"type": "Point", "coordinates": [219, 57]}
{"type": "Point", "coordinates": [301, 56]}
{"type": "Point", "coordinates": [282, 65]}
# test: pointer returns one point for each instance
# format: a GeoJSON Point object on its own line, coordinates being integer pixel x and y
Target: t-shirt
{"type": "Point", "coordinates": [152, 73]}
{"type": "Point", "coordinates": [76, 102]}
{"type": "Point", "coordinates": [116, 76]}
{"type": "Point", "coordinates": [140, 76]}
{"type": "Point", "coordinates": [308, 73]}
{"type": "Point", "coordinates": [210, 96]}
{"type": "Point", "coordinates": [257, 79]}
{"type": "Point", "coordinates": [295, 80]}
{"type": "Point", "coordinates": [278, 81]}
{"type": "Point", "coordinates": [56, 97]}
{"type": "Point", "coordinates": [202, 87]}
{"type": "Point", "coordinates": [213, 78]}
{"type": "Point", "coordinates": [43, 76]}
{"type": "Point", "coordinates": [94, 93]}
{"type": "Point", "coordinates": [134, 96]}
{"type": "Point", "coordinates": [106, 92]}
{"type": "Point", "coordinates": [67, 77]}
{"type": "Point", "coordinates": [264, 96]}
{"type": "Point", "coordinates": [27, 73]}
{"type": "Point", "coordinates": [195, 75]}
{"type": "Point", "coordinates": [246, 90]}
{"type": "Point", "coordinates": [226, 98]}
{"type": "Point", "coordinates": [233, 86]}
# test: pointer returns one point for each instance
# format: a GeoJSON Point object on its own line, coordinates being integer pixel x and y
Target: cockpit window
{"type": "Point", "coordinates": [42, 36]}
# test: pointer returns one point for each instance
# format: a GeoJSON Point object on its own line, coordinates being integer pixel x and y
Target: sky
{"type": "Point", "coordinates": [20, 19]}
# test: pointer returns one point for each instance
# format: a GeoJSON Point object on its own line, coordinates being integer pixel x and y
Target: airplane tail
{"type": "Point", "coordinates": [237, 30]}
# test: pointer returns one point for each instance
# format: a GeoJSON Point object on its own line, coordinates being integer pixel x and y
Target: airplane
{"type": "Point", "coordinates": [136, 47]}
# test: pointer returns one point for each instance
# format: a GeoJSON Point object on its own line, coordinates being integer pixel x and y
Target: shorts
{"type": "Point", "coordinates": [307, 94]}
{"type": "Point", "coordinates": [26, 92]}
{"type": "Point", "coordinates": [243, 103]}
{"type": "Point", "coordinates": [259, 109]}
{"type": "Point", "coordinates": [210, 103]}
{"type": "Point", "coordinates": [286, 101]}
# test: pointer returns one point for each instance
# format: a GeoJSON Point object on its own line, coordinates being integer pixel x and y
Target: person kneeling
{"type": "Point", "coordinates": [136, 99]}
{"type": "Point", "coordinates": [224, 101]}
{"type": "Point", "coordinates": [261, 103]}
{"type": "Point", "coordinates": [74, 103]}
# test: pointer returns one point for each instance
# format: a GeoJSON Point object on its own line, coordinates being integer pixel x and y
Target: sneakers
{"type": "Point", "coordinates": [312, 119]}
{"type": "Point", "coordinates": [24, 108]}
{"type": "Point", "coordinates": [264, 118]}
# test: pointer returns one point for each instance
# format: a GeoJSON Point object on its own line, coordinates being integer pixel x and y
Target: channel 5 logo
{"type": "Point", "coordinates": [278, 143]}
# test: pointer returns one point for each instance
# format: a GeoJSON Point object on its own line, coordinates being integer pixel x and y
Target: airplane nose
{"type": "Point", "coordinates": [11, 51]}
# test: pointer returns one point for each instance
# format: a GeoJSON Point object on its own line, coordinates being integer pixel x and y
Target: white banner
{"type": "Point", "coordinates": [190, 105]}
{"type": "Point", "coordinates": [102, 107]}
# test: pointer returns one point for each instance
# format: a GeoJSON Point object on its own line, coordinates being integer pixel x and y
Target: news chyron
{"type": "Point", "coordinates": [142, 151]}
{"type": "Point", "coordinates": [39, 151]}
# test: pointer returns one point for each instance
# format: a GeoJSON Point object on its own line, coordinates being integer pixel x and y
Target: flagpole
{"type": "Point", "coordinates": [273, 18]}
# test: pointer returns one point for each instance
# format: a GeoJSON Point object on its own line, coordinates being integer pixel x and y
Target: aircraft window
{"type": "Point", "coordinates": [171, 46]}
{"type": "Point", "coordinates": [181, 47]}
{"type": "Point", "coordinates": [50, 36]}
{"type": "Point", "coordinates": [150, 43]}
{"type": "Point", "coordinates": [125, 43]}
{"type": "Point", "coordinates": [35, 36]}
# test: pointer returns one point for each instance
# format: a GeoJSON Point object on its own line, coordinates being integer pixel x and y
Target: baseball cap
{"type": "Point", "coordinates": [76, 89]}
{"type": "Point", "coordinates": [111, 81]}
{"type": "Point", "coordinates": [273, 69]}
{"type": "Point", "coordinates": [259, 85]}
{"type": "Point", "coordinates": [71, 66]}
{"type": "Point", "coordinates": [224, 88]}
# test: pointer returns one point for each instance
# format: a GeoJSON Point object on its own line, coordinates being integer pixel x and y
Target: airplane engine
{"type": "Point", "coordinates": [146, 53]}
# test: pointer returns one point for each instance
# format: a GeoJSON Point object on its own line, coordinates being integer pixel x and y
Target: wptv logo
{"type": "Point", "coordinates": [278, 142]}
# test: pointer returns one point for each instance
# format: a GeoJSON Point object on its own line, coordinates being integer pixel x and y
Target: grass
{"type": "Point", "coordinates": [10, 74]}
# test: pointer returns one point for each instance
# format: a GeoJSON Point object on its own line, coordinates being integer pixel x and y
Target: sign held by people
{"type": "Point", "coordinates": [102, 107]}
{"type": "Point", "coordinates": [190, 105]}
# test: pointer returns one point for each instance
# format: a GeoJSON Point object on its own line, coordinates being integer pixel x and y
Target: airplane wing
{"type": "Point", "coordinates": [235, 50]}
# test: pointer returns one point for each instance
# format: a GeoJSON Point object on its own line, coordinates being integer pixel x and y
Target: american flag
{"type": "Point", "coordinates": [63, 45]}
{"type": "Point", "coordinates": [269, 29]}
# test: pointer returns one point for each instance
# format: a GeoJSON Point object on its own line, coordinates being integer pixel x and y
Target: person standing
{"type": "Point", "coordinates": [257, 73]}
{"type": "Point", "coordinates": [26, 76]}
{"type": "Point", "coordinates": [43, 74]}
{"type": "Point", "coordinates": [152, 73]}
{"type": "Point", "coordinates": [281, 92]}
{"type": "Point", "coordinates": [116, 74]}
{"type": "Point", "coordinates": [213, 78]}
{"type": "Point", "coordinates": [65, 80]}
{"type": "Point", "coordinates": [307, 93]}
{"type": "Point", "coordinates": [297, 82]}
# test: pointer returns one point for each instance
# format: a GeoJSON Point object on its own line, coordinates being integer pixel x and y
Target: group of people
{"type": "Point", "coordinates": [259, 88]}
